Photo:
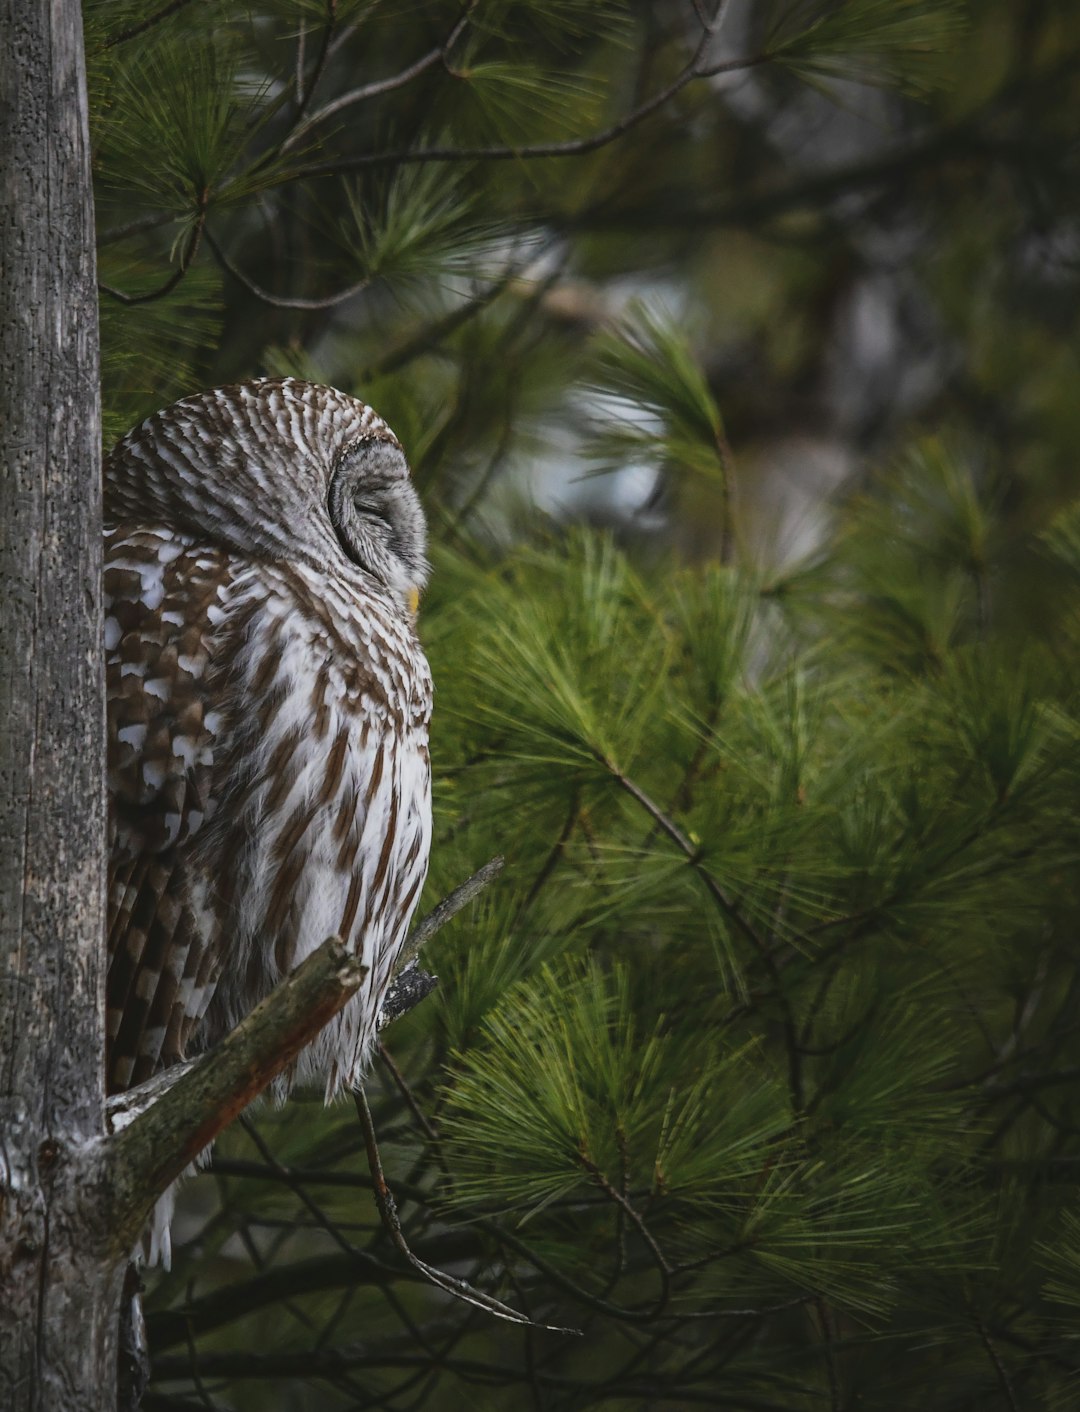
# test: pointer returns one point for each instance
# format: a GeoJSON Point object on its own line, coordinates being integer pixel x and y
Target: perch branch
{"type": "Point", "coordinates": [155, 1147]}
{"type": "Point", "coordinates": [123, 1108]}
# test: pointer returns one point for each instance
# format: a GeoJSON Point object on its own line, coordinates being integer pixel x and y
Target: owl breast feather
{"type": "Point", "coordinates": [270, 787]}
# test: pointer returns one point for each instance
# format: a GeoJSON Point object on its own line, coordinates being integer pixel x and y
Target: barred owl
{"type": "Point", "coordinates": [268, 706]}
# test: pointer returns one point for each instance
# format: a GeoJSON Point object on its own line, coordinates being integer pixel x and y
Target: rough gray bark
{"type": "Point", "coordinates": [59, 1290]}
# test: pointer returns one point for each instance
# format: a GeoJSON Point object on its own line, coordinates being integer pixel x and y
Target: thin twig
{"type": "Point", "coordinates": [363, 1257]}
{"type": "Point", "coordinates": [448, 908]}
{"type": "Point", "coordinates": [434, 333]}
{"type": "Point", "coordinates": [830, 1357]}
{"type": "Point", "coordinates": [999, 1366]}
{"type": "Point", "coordinates": [554, 854]}
{"type": "Point", "coordinates": [301, 59]}
{"type": "Point", "coordinates": [730, 911]}
{"type": "Point", "coordinates": [406, 1092]}
{"type": "Point", "coordinates": [409, 985]}
{"type": "Point", "coordinates": [668, 826]}
{"type": "Point", "coordinates": [571, 147]}
{"type": "Point", "coordinates": [304, 96]}
{"type": "Point", "coordinates": [138, 227]}
{"type": "Point", "coordinates": [196, 1376]}
{"type": "Point", "coordinates": [186, 260]}
{"type": "Point", "coordinates": [225, 1305]}
{"type": "Point", "coordinates": [384, 1200]}
{"type": "Point", "coordinates": [638, 1222]}
{"type": "Point", "coordinates": [277, 301]}
{"type": "Point", "coordinates": [385, 85]}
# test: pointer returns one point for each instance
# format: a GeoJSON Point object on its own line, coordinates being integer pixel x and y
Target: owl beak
{"type": "Point", "coordinates": [412, 601]}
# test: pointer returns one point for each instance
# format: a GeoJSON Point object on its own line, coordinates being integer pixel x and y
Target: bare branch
{"type": "Point", "coordinates": [138, 227]}
{"type": "Point", "coordinates": [219, 1307]}
{"type": "Point", "coordinates": [305, 95]}
{"type": "Point", "coordinates": [384, 1200]}
{"type": "Point", "coordinates": [571, 147]}
{"type": "Point", "coordinates": [409, 984]}
{"type": "Point", "coordinates": [186, 260]}
{"type": "Point", "coordinates": [154, 1149]}
{"type": "Point", "coordinates": [435, 56]}
{"type": "Point", "coordinates": [449, 907]}
{"type": "Point", "coordinates": [277, 301]}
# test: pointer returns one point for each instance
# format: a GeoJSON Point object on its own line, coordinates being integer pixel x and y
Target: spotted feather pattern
{"type": "Point", "coordinates": [268, 707]}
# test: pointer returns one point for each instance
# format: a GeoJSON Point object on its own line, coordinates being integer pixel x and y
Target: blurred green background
{"type": "Point", "coordinates": [735, 354]}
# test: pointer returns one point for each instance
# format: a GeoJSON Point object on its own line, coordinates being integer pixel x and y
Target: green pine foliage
{"type": "Point", "coordinates": [765, 1030]}
{"type": "Point", "coordinates": [757, 1067]}
{"type": "Point", "coordinates": [892, 42]}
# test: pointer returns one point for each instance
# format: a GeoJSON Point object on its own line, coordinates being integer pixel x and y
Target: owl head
{"type": "Point", "coordinates": [376, 513]}
{"type": "Point", "coordinates": [281, 469]}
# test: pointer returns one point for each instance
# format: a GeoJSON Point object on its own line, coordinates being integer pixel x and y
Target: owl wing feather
{"type": "Point", "coordinates": [162, 594]}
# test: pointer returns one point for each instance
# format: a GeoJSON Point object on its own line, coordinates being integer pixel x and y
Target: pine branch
{"type": "Point", "coordinates": [191, 249]}
{"type": "Point", "coordinates": [571, 147]}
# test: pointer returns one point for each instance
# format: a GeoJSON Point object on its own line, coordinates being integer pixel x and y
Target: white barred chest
{"type": "Point", "coordinates": [269, 766]}
{"type": "Point", "coordinates": [321, 796]}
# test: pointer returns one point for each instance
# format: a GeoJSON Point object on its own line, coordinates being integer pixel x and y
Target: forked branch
{"type": "Point", "coordinates": [155, 1147]}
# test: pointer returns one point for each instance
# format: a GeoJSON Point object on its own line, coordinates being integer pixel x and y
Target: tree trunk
{"type": "Point", "coordinates": [59, 1279]}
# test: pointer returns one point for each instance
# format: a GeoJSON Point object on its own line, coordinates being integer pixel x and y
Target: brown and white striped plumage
{"type": "Point", "coordinates": [268, 715]}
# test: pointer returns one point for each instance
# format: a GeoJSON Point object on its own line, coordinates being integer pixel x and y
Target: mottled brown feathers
{"type": "Point", "coordinates": [268, 708]}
